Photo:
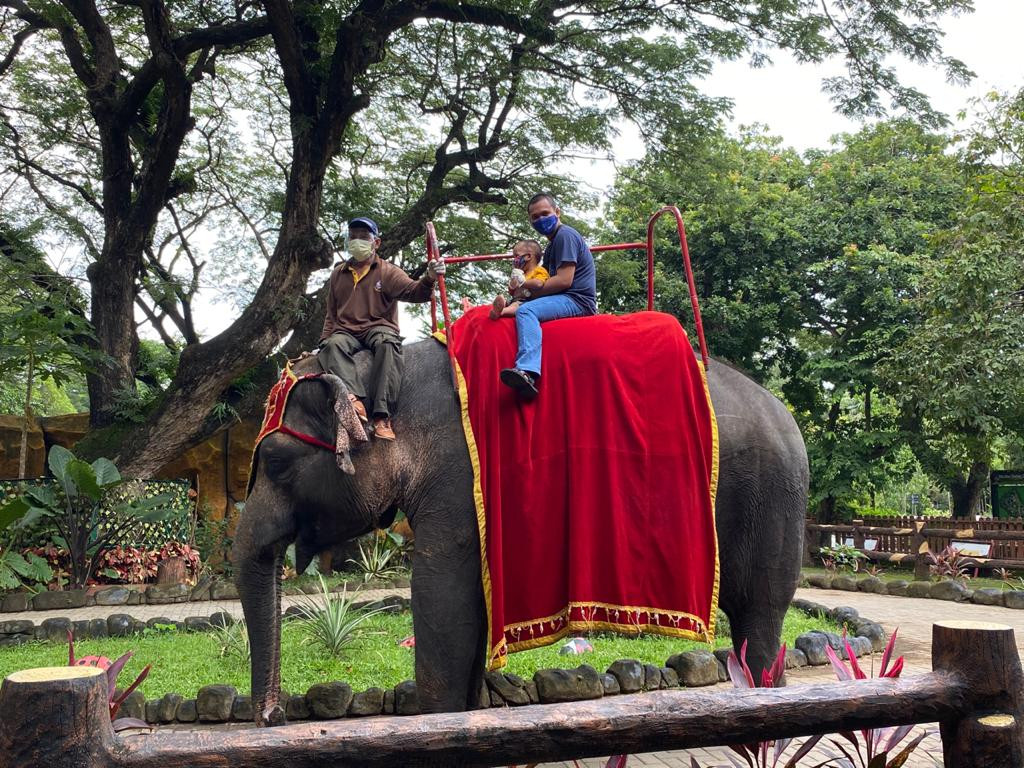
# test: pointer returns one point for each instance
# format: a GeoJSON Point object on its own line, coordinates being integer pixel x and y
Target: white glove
{"type": "Point", "coordinates": [435, 268]}
{"type": "Point", "coordinates": [516, 278]}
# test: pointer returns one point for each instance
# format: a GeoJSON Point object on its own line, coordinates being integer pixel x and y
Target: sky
{"type": "Point", "coordinates": [787, 97]}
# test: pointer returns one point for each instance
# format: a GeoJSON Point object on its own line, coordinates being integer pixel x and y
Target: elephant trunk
{"type": "Point", "coordinates": [260, 591]}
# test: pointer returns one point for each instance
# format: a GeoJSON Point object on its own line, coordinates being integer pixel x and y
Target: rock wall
{"type": "Point", "coordinates": [10, 447]}
{"type": "Point", "coordinates": [218, 468]}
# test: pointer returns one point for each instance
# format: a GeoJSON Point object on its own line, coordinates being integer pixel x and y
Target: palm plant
{"type": "Point", "coordinates": [233, 640]}
{"type": "Point", "coordinates": [331, 620]}
{"type": "Point", "coordinates": [380, 557]}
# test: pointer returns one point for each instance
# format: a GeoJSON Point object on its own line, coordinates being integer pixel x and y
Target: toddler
{"type": "Point", "coordinates": [527, 273]}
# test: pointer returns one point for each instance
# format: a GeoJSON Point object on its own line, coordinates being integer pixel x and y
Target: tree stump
{"type": "Point", "coordinates": [54, 717]}
{"type": "Point", "coordinates": [171, 571]}
{"type": "Point", "coordinates": [985, 656]}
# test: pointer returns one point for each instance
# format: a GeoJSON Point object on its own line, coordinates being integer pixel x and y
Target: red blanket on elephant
{"type": "Point", "coordinates": [596, 500]}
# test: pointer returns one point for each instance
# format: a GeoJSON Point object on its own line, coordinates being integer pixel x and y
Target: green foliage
{"type": "Point", "coordinates": [233, 640]}
{"type": "Point", "coordinates": [960, 373]}
{"type": "Point", "coordinates": [842, 557]}
{"type": "Point", "coordinates": [330, 621]}
{"type": "Point", "coordinates": [75, 507]}
{"type": "Point", "coordinates": [190, 660]}
{"type": "Point", "coordinates": [46, 344]}
{"type": "Point", "coordinates": [381, 556]}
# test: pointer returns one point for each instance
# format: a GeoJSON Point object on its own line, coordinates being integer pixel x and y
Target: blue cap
{"type": "Point", "coordinates": [365, 223]}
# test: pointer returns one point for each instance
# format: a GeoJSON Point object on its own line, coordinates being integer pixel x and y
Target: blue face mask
{"type": "Point", "coordinates": [546, 224]}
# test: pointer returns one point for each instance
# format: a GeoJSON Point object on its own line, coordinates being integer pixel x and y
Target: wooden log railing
{"type": "Point", "coordinates": [57, 718]}
{"type": "Point", "coordinates": [921, 540]}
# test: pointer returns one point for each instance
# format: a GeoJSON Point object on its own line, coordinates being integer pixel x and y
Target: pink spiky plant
{"type": "Point", "coordinates": [113, 669]}
{"type": "Point", "coordinates": [878, 742]}
{"type": "Point", "coordinates": [764, 754]}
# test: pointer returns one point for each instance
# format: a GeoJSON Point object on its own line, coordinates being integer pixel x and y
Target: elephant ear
{"type": "Point", "coordinates": [348, 425]}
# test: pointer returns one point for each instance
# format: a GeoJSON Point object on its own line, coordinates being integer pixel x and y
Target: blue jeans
{"type": "Point", "coordinates": [529, 316]}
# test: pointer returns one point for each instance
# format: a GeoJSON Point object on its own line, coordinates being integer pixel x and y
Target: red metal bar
{"type": "Point", "coordinates": [434, 254]}
{"type": "Point", "coordinates": [681, 229]}
{"type": "Point", "coordinates": [496, 256]}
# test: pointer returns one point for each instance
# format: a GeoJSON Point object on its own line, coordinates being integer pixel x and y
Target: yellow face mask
{"type": "Point", "coordinates": [360, 250]}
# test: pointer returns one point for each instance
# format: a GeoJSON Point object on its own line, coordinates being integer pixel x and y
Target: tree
{"type": "Point", "coordinates": [960, 373]}
{"type": "Point", "coordinates": [137, 68]}
{"type": "Point", "coordinates": [44, 336]}
{"type": "Point", "coordinates": [804, 268]}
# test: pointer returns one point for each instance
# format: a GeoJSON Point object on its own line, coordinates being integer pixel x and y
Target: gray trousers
{"type": "Point", "coordinates": [337, 355]}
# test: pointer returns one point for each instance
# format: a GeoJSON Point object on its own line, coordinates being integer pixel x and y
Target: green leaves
{"type": "Point", "coordinates": [13, 511]}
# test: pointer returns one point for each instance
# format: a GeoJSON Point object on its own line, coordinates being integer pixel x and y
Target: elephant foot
{"type": "Point", "coordinates": [271, 717]}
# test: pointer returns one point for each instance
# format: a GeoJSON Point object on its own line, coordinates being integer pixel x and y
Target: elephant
{"type": "Point", "coordinates": [300, 495]}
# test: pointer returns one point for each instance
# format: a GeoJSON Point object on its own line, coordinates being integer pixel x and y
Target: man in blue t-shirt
{"type": "Point", "coordinates": [571, 291]}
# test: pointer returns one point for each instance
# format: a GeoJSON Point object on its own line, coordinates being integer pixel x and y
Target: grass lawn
{"type": "Point", "coordinates": [907, 574]}
{"type": "Point", "coordinates": [183, 662]}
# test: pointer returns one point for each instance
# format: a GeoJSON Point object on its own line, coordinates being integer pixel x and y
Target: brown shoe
{"type": "Point", "coordinates": [358, 407]}
{"type": "Point", "coordinates": [382, 429]}
{"type": "Point", "coordinates": [498, 307]}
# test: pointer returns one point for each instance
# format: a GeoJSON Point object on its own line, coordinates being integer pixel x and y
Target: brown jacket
{"type": "Point", "coordinates": [356, 306]}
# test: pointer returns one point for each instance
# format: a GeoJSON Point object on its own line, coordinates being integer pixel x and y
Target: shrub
{"type": "Point", "coordinates": [841, 557]}
{"type": "Point", "coordinates": [949, 564]}
{"type": "Point", "coordinates": [75, 512]}
{"type": "Point", "coordinates": [380, 555]}
{"type": "Point", "coordinates": [331, 621]}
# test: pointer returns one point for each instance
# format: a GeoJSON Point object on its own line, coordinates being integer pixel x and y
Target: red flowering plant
{"type": "Point", "coordinates": [127, 565]}
{"type": "Point", "coordinates": [115, 698]}
{"type": "Point", "coordinates": [878, 742]}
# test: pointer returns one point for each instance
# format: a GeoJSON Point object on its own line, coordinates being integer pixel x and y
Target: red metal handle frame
{"type": "Point", "coordinates": [434, 253]}
{"type": "Point", "coordinates": [681, 229]}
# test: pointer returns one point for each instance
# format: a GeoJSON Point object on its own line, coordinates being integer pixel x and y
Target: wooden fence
{"type": "Point", "coordinates": [57, 718]}
{"type": "Point", "coordinates": [910, 540]}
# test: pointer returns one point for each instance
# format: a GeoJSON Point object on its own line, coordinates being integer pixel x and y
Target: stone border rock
{"type": "Point", "coordinates": [19, 631]}
{"type": "Point", "coordinates": [690, 669]}
{"type": "Point", "coordinates": [150, 594]}
{"type": "Point", "coordinates": [935, 590]}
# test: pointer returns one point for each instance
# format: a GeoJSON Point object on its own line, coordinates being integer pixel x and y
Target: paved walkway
{"type": "Point", "coordinates": [913, 617]}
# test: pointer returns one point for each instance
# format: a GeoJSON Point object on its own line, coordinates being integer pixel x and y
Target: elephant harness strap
{"type": "Point", "coordinates": [273, 417]}
{"type": "Point", "coordinates": [348, 425]}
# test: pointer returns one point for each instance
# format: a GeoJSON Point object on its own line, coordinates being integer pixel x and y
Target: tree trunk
{"type": "Point", "coordinates": [113, 318]}
{"type": "Point", "coordinates": [23, 457]}
{"type": "Point", "coordinates": [827, 510]}
{"type": "Point", "coordinates": [967, 494]}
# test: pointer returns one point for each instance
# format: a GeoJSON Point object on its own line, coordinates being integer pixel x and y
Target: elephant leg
{"type": "Point", "coordinates": [448, 618]}
{"type": "Point", "coordinates": [761, 630]}
{"type": "Point", "coordinates": [263, 534]}
{"type": "Point", "coordinates": [760, 522]}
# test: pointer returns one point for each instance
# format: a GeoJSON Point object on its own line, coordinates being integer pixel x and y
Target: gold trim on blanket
{"type": "Point", "coordinates": [497, 654]}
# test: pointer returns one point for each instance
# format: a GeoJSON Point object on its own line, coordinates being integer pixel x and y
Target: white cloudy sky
{"type": "Point", "coordinates": [787, 96]}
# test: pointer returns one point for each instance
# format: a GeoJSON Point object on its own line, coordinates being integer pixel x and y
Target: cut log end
{"type": "Point", "coordinates": [998, 721]}
{"type": "Point", "coordinates": [48, 674]}
{"type": "Point", "coordinates": [985, 626]}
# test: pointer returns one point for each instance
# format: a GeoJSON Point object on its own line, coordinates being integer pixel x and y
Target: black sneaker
{"type": "Point", "coordinates": [522, 382]}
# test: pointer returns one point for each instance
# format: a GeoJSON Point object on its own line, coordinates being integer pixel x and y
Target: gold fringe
{"type": "Point", "coordinates": [713, 489]}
